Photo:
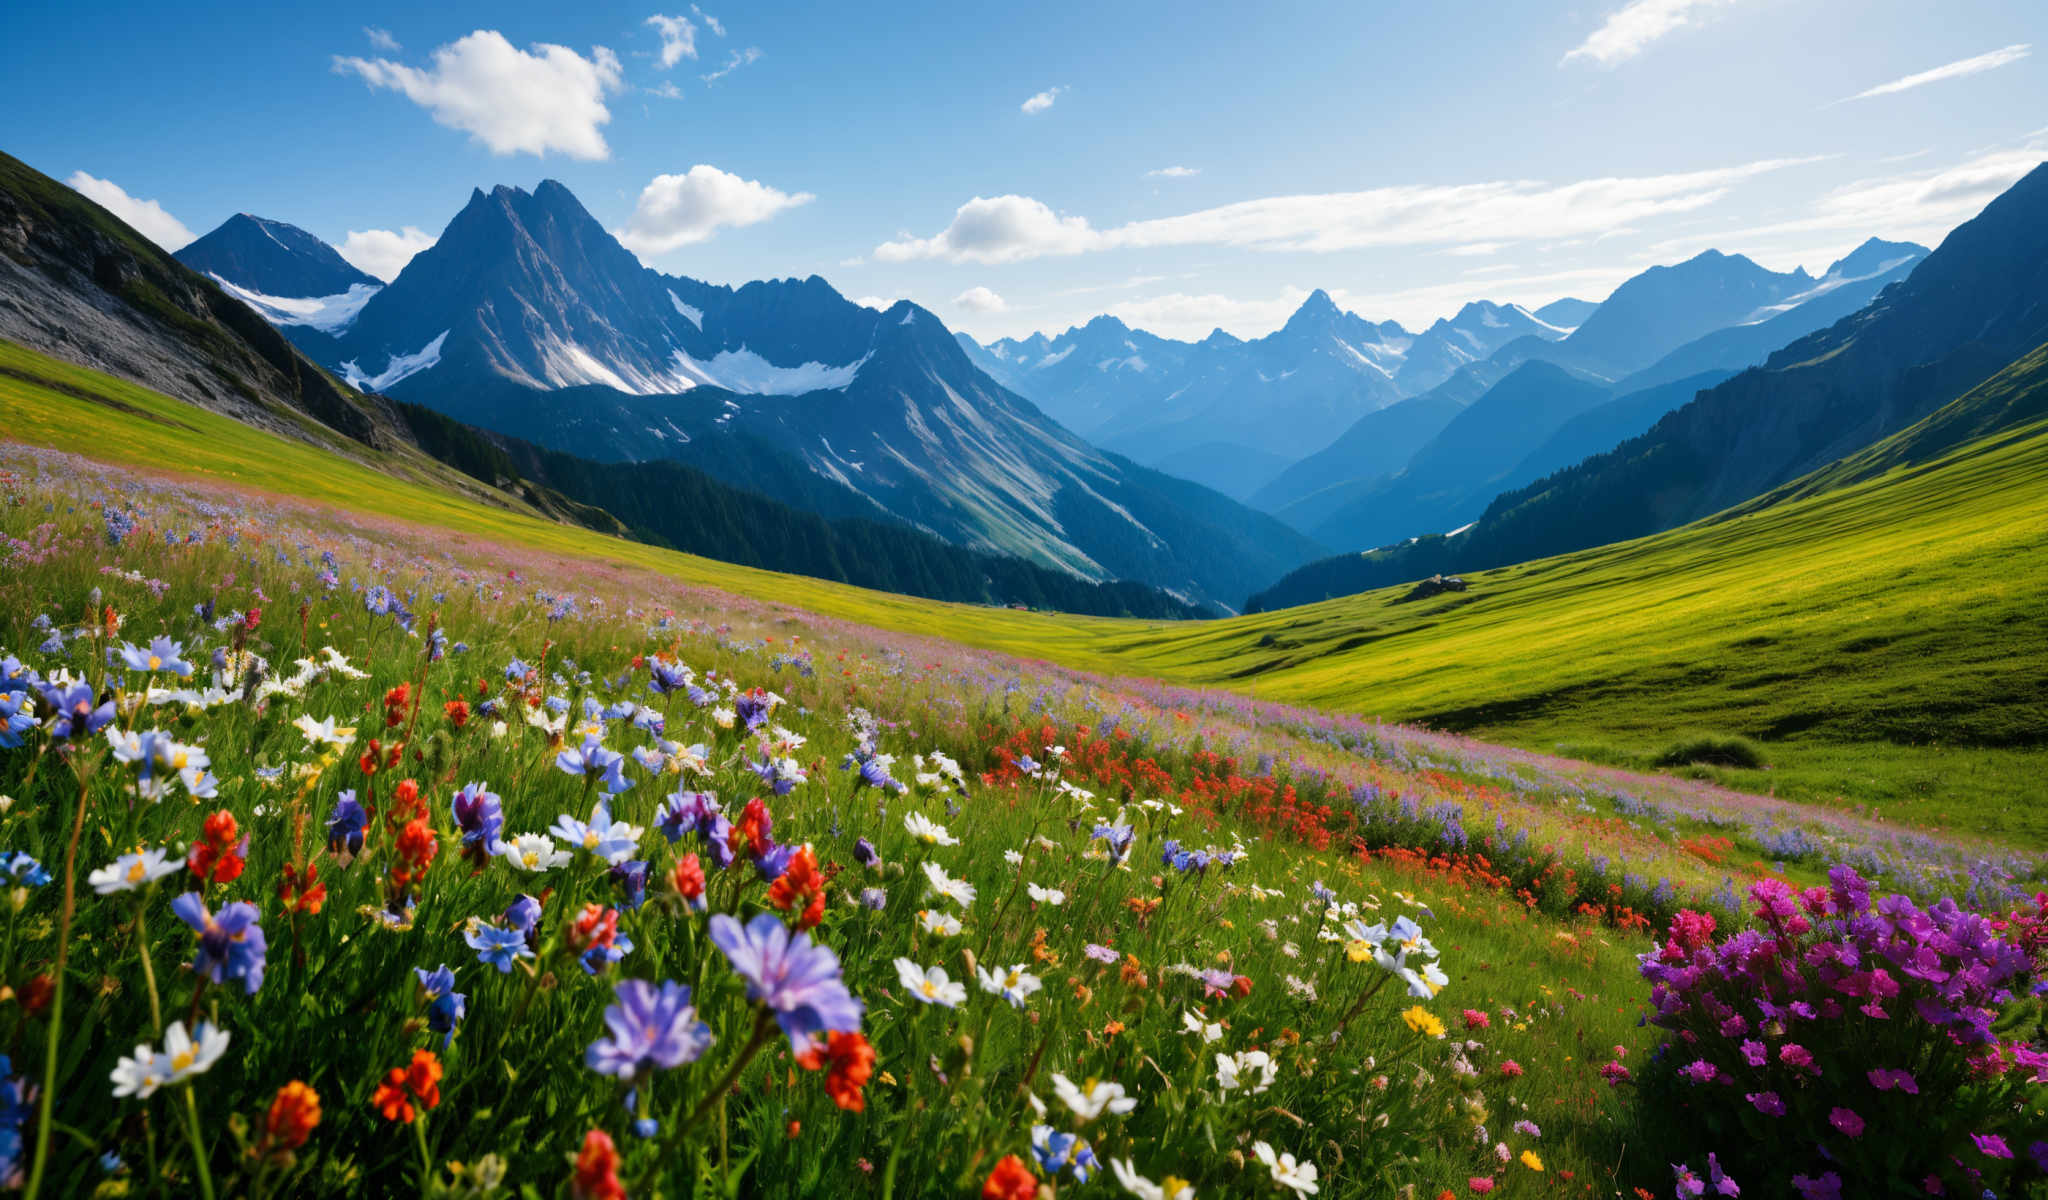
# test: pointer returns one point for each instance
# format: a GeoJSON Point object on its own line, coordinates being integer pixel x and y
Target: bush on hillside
{"type": "Point", "coordinates": [1713, 749]}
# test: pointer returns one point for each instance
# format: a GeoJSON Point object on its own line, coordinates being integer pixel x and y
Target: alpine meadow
{"type": "Point", "coordinates": [901, 601]}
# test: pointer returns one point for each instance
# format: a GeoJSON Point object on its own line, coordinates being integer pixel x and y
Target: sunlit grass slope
{"type": "Point", "coordinates": [1885, 639]}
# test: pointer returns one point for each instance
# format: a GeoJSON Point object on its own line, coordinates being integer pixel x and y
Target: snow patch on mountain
{"type": "Point", "coordinates": [746, 372]}
{"type": "Point", "coordinates": [328, 314]}
{"type": "Point", "coordinates": [694, 316]}
{"type": "Point", "coordinates": [401, 366]}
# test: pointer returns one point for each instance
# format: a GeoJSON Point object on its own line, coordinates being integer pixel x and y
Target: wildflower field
{"type": "Point", "coordinates": [344, 864]}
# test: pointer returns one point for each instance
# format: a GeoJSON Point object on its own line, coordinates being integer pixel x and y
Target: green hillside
{"type": "Point", "coordinates": [1882, 638]}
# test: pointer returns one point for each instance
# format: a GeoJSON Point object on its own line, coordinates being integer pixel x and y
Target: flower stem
{"type": "Point", "coordinates": [198, 1144]}
{"type": "Point", "coordinates": [156, 1010]}
{"type": "Point", "coordinates": [55, 1038]}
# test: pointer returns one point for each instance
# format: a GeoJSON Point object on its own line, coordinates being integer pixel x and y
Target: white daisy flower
{"type": "Point", "coordinates": [131, 871]}
{"type": "Point", "coordinates": [930, 984]}
{"type": "Point", "coordinates": [1300, 1176]}
{"type": "Point", "coordinates": [1094, 1098]}
{"type": "Point", "coordinates": [1014, 985]}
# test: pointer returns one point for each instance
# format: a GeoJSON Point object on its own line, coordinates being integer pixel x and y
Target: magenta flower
{"type": "Point", "coordinates": [1769, 1104]}
{"type": "Point", "coordinates": [1846, 1120]}
{"type": "Point", "coordinates": [1754, 1053]}
{"type": "Point", "coordinates": [1699, 1070]}
{"type": "Point", "coordinates": [1792, 1054]}
{"type": "Point", "coordinates": [1991, 1144]}
{"type": "Point", "coordinates": [1885, 1079]}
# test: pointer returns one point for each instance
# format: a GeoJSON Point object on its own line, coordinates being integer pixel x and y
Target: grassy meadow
{"type": "Point", "coordinates": [1880, 640]}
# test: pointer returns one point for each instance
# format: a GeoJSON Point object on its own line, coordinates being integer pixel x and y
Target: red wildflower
{"type": "Point", "coordinates": [416, 849]}
{"type": "Point", "coordinates": [594, 926]}
{"type": "Point", "coordinates": [597, 1169]}
{"type": "Point", "coordinates": [1011, 1180]}
{"type": "Point", "coordinates": [406, 804]}
{"type": "Point", "coordinates": [252, 618]}
{"type": "Point", "coordinates": [377, 757]}
{"type": "Point", "coordinates": [390, 1098]}
{"type": "Point", "coordinates": [221, 852]}
{"type": "Point", "coordinates": [397, 703]}
{"type": "Point", "coordinates": [423, 1077]}
{"type": "Point", "coordinates": [293, 1116]}
{"type": "Point", "coordinates": [752, 829]}
{"type": "Point", "coordinates": [850, 1059]}
{"type": "Point", "coordinates": [688, 877]}
{"type": "Point", "coordinates": [301, 890]}
{"type": "Point", "coordinates": [800, 884]}
{"type": "Point", "coordinates": [458, 712]}
{"type": "Point", "coordinates": [1511, 1069]}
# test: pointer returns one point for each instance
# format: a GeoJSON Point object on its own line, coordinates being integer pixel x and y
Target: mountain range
{"type": "Point", "coordinates": [1232, 413]}
{"type": "Point", "coordinates": [1968, 309]}
{"type": "Point", "coordinates": [528, 318]}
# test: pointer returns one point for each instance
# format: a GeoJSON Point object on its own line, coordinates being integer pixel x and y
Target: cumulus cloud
{"type": "Point", "coordinates": [383, 252]}
{"type": "Point", "coordinates": [1632, 28]}
{"type": "Point", "coordinates": [677, 210]}
{"type": "Point", "coordinates": [545, 98]}
{"type": "Point", "coordinates": [1955, 70]}
{"type": "Point", "coordinates": [738, 59]}
{"type": "Point", "coordinates": [980, 300]}
{"type": "Point", "coordinates": [146, 217]}
{"type": "Point", "coordinates": [678, 39]}
{"type": "Point", "coordinates": [1172, 172]}
{"type": "Point", "coordinates": [1011, 228]}
{"type": "Point", "coordinates": [1042, 101]}
{"type": "Point", "coordinates": [381, 39]}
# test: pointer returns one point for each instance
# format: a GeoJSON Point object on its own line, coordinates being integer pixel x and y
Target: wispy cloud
{"type": "Point", "coordinates": [1013, 228]}
{"type": "Point", "coordinates": [739, 58]}
{"type": "Point", "coordinates": [1919, 206]}
{"type": "Point", "coordinates": [514, 101]}
{"type": "Point", "coordinates": [146, 217]}
{"type": "Point", "coordinates": [1631, 29]}
{"type": "Point", "coordinates": [1042, 101]}
{"type": "Point", "coordinates": [678, 39]}
{"type": "Point", "coordinates": [716, 26]}
{"type": "Point", "coordinates": [1173, 172]}
{"type": "Point", "coordinates": [381, 39]}
{"type": "Point", "coordinates": [1955, 70]}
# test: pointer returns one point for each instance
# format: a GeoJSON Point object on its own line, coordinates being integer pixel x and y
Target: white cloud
{"type": "Point", "coordinates": [381, 39]}
{"type": "Point", "coordinates": [875, 302]}
{"type": "Point", "coordinates": [678, 39]}
{"type": "Point", "coordinates": [1012, 228]}
{"type": "Point", "coordinates": [381, 252]}
{"type": "Point", "coordinates": [1920, 206]}
{"type": "Point", "coordinates": [980, 300]}
{"type": "Point", "coordinates": [513, 101]}
{"type": "Point", "coordinates": [146, 217]}
{"type": "Point", "coordinates": [677, 210]}
{"type": "Point", "coordinates": [1954, 70]}
{"type": "Point", "coordinates": [712, 23]}
{"type": "Point", "coordinates": [1173, 172]}
{"type": "Point", "coordinates": [667, 90]}
{"type": "Point", "coordinates": [1042, 101]}
{"type": "Point", "coordinates": [1630, 29]}
{"type": "Point", "coordinates": [1476, 249]}
{"type": "Point", "coordinates": [740, 58]}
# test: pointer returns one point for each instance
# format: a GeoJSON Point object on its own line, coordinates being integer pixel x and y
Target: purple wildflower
{"type": "Point", "coordinates": [649, 1030]}
{"type": "Point", "coordinates": [795, 978]}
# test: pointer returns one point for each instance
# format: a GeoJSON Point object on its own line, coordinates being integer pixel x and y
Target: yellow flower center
{"type": "Point", "coordinates": [532, 860]}
{"type": "Point", "coordinates": [181, 1060]}
{"type": "Point", "coordinates": [590, 839]}
{"type": "Point", "coordinates": [155, 663]}
{"type": "Point", "coordinates": [136, 871]}
{"type": "Point", "coordinates": [930, 989]}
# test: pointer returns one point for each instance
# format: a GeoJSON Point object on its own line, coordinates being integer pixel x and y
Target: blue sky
{"type": "Point", "coordinates": [1405, 157]}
